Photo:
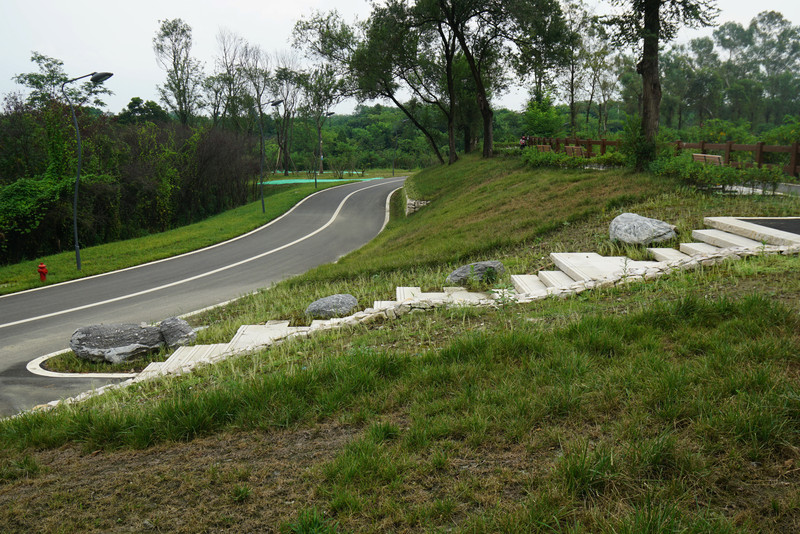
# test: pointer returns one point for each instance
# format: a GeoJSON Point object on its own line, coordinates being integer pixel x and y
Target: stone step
{"type": "Point", "coordinates": [214, 353]}
{"type": "Point", "coordinates": [453, 289]}
{"type": "Point", "coordinates": [752, 230]}
{"type": "Point", "coordinates": [151, 371]}
{"type": "Point", "coordinates": [467, 297]}
{"type": "Point", "coordinates": [585, 266]}
{"type": "Point", "coordinates": [667, 254]}
{"type": "Point", "coordinates": [407, 293]}
{"type": "Point", "coordinates": [696, 249]}
{"type": "Point", "coordinates": [190, 356]}
{"type": "Point", "coordinates": [433, 296]}
{"type": "Point", "coordinates": [383, 304]}
{"type": "Point", "coordinates": [555, 279]}
{"type": "Point", "coordinates": [250, 337]}
{"type": "Point", "coordinates": [722, 239]}
{"type": "Point", "coordinates": [527, 283]}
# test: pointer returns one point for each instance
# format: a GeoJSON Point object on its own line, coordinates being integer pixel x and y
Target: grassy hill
{"type": "Point", "coordinates": [665, 406]}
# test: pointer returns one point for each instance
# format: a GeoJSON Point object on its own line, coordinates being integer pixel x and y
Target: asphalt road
{"type": "Point", "coordinates": [318, 230]}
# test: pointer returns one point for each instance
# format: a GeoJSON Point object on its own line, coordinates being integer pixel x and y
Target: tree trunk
{"type": "Point", "coordinates": [421, 128]}
{"type": "Point", "coordinates": [573, 111]}
{"type": "Point", "coordinates": [651, 85]}
{"type": "Point", "coordinates": [483, 99]}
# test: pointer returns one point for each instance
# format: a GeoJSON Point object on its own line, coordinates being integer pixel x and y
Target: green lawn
{"type": "Point", "coordinates": [663, 406]}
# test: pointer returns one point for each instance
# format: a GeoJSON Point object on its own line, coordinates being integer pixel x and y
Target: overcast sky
{"type": "Point", "coordinates": [116, 36]}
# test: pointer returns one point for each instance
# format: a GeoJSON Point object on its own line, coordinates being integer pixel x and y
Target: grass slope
{"type": "Point", "coordinates": [667, 406]}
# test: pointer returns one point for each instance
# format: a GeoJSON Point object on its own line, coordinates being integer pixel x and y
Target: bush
{"type": "Point", "coordinates": [537, 159]}
{"type": "Point", "coordinates": [633, 144]}
{"type": "Point", "coordinates": [704, 176]}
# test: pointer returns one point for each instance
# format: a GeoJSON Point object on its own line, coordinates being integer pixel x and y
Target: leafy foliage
{"type": "Point", "coordinates": [704, 176]}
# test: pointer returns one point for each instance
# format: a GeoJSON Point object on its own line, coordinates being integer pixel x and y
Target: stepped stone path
{"type": "Point", "coordinates": [726, 238]}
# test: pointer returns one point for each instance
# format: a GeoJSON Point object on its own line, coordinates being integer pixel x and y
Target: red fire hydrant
{"type": "Point", "coordinates": [42, 272]}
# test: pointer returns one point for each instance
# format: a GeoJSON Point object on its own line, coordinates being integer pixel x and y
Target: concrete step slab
{"type": "Point", "coordinates": [667, 254]}
{"type": "Point", "coordinates": [151, 371]}
{"type": "Point", "coordinates": [696, 249]}
{"type": "Point", "coordinates": [211, 353]}
{"type": "Point", "coordinates": [454, 289]}
{"type": "Point", "coordinates": [179, 358]}
{"type": "Point", "coordinates": [722, 239]}
{"type": "Point", "coordinates": [752, 230]}
{"type": "Point", "coordinates": [250, 337]}
{"type": "Point", "coordinates": [555, 279]}
{"type": "Point", "coordinates": [527, 283]}
{"type": "Point", "coordinates": [585, 266]}
{"type": "Point", "coordinates": [383, 304]}
{"type": "Point", "coordinates": [433, 296]}
{"type": "Point", "coordinates": [407, 293]}
{"type": "Point", "coordinates": [468, 297]}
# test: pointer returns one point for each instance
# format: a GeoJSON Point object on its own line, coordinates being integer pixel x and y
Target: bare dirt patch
{"type": "Point", "coordinates": [184, 487]}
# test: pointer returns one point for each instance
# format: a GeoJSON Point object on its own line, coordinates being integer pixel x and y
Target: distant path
{"type": "Point", "coordinates": [318, 230]}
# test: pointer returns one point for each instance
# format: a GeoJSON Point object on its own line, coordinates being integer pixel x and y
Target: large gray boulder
{"type": "Point", "coordinates": [637, 230]}
{"type": "Point", "coordinates": [176, 332]}
{"type": "Point", "coordinates": [115, 343]}
{"type": "Point", "coordinates": [334, 306]}
{"type": "Point", "coordinates": [476, 272]}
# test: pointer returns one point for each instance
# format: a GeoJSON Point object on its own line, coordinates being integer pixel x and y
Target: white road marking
{"type": "Point", "coordinates": [197, 277]}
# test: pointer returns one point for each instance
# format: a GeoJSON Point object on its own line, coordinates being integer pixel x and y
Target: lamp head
{"type": "Point", "coordinates": [99, 77]}
{"type": "Point", "coordinates": [276, 103]}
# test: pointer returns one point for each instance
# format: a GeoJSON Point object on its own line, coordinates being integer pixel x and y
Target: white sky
{"type": "Point", "coordinates": [116, 36]}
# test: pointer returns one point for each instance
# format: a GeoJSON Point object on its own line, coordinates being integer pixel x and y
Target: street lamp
{"type": "Point", "coordinates": [261, 154]}
{"type": "Point", "coordinates": [97, 77]}
{"type": "Point", "coordinates": [275, 104]}
{"type": "Point", "coordinates": [396, 141]}
{"type": "Point", "coordinates": [319, 139]}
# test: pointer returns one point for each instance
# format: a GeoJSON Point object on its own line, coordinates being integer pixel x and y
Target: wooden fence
{"type": "Point", "coordinates": [724, 149]}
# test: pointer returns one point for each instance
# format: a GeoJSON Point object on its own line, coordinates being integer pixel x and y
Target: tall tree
{"type": "Point", "coordinates": [181, 91]}
{"type": "Point", "coordinates": [364, 54]}
{"type": "Point", "coordinates": [256, 69]}
{"type": "Point", "coordinates": [322, 90]}
{"type": "Point", "coordinates": [45, 85]}
{"type": "Point", "coordinates": [648, 24]}
{"type": "Point", "coordinates": [232, 80]}
{"type": "Point", "coordinates": [776, 44]}
{"type": "Point", "coordinates": [286, 86]}
{"type": "Point", "coordinates": [527, 33]}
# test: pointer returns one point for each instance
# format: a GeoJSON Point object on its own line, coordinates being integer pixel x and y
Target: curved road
{"type": "Point", "coordinates": [318, 230]}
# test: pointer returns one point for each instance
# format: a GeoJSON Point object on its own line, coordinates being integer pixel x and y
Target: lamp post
{"type": "Point", "coordinates": [275, 104]}
{"type": "Point", "coordinates": [261, 155]}
{"type": "Point", "coordinates": [97, 77]}
{"type": "Point", "coordinates": [396, 141]}
{"type": "Point", "coordinates": [319, 140]}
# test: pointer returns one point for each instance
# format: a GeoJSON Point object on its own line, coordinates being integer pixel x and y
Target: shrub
{"type": "Point", "coordinates": [703, 176]}
{"type": "Point", "coordinates": [537, 159]}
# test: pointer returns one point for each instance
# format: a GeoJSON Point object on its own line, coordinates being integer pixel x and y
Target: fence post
{"type": "Point", "coordinates": [728, 149]}
{"type": "Point", "coordinates": [589, 148]}
{"type": "Point", "coordinates": [760, 154]}
{"type": "Point", "coordinates": [603, 146]}
{"type": "Point", "coordinates": [702, 147]}
{"type": "Point", "coordinates": [793, 161]}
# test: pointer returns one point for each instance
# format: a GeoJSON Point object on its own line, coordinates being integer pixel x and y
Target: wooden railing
{"type": "Point", "coordinates": [723, 149]}
{"type": "Point", "coordinates": [587, 144]}
{"type": "Point", "coordinates": [758, 150]}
